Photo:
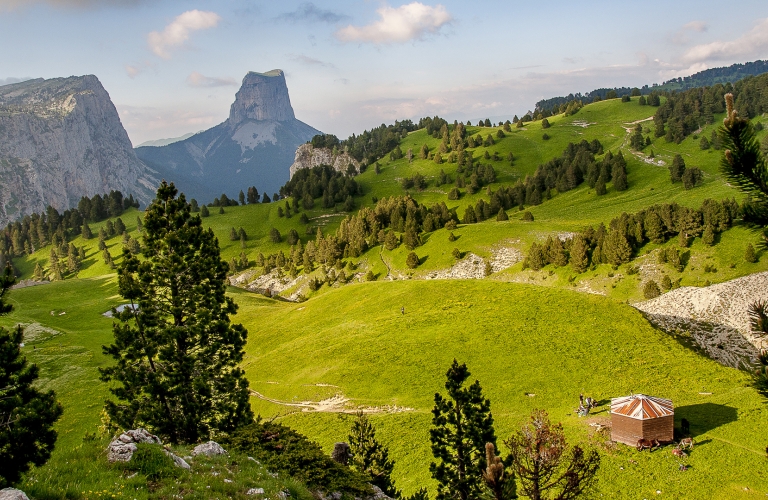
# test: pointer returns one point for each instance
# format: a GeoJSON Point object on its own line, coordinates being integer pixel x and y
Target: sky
{"type": "Point", "coordinates": [173, 67]}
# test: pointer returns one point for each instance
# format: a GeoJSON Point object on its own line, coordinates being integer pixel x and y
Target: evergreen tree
{"type": "Point", "coordinates": [462, 424]}
{"type": "Point", "coordinates": [412, 260]}
{"type": "Point", "coordinates": [692, 177]}
{"type": "Point", "coordinates": [119, 226]}
{"type": "Point", "coordinates": [241, 197]}
{"type": "Point", "coordinates": [27, 415]}
{"type": "Point", "coordinates": [204, 211]}
{"type": "Point", "coordinates": [502, 215]}
{"type": "Point", "coordinates": [708, 236]}
{"type": "Point", "coordinates": [108, 259]}
{"type": "Point", "coordinates": [86, 231]}
{"type": "Point", "coordinates": [579, 258]}
{"type": "Point", "coordinates": [369, 456]}
{"type": "Point", "coordinates": [749, 254]}
{"type": "Point", "coordinates": [38, 273]}
{"type": "Point", "coordinates": [677, 168]}
{"type": "Point", "coordinates": [651, 290]}
{"type": "Point", "coordinates": [176, 351]}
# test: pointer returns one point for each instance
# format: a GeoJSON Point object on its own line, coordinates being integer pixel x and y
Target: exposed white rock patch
{"type": "Point", "coordinates": [251, 134]}
{"type": "Point", "coordinates": [716, 316]}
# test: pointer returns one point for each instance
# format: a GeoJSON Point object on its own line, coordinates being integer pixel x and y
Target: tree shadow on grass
{"type": "Point", "coordinates": [704, 417]}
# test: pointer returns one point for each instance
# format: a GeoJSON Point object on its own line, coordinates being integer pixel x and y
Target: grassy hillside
{"type": "Point", "coordinates": [518, 339]}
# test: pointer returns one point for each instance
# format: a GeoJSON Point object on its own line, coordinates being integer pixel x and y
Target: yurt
{"type": "Point", "coordinates": [639, 416]}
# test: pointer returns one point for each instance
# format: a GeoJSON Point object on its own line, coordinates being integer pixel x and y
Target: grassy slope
{"type": "Point", "coordinates": [471, 320]}
{"type": "Point", "coordinates": [516, 339]}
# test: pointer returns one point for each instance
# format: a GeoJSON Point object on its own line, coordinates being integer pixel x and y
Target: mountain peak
{"type": "Point", "coordinates": [262, 96]}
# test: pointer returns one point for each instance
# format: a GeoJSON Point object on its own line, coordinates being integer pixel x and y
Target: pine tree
{"type": "Point", "coordinates": [579, 254]}
{"type": "Point", "coordinates": [502, 215]}
{"type": "Point", "coordinates": [86, 231]}
{"type": "Point", "coordinates": [677, 169]}
{"type": "Point", "coordinates": [176, 351]}
{"type": "Point", "coordinates": [38, 273]}
{"type": "Point", "coordinates": [708, 236]}
{"type": "Point", "coordinates": [749, 254]}
{"type": "Point", "coordinates": [27, 414]}
{"type": "Point", "coordinates": [412, 260]}
{"type": "Point", "coordinates": [204, 211]}
{"type": "Point", "coordinates": [462, 424]}
{"type": "Point", "coordinates": [651, 290]}
{"type": "Point", "coordinates": [108, 259]}
{"type": "Point", "coordinates": [369, 456]}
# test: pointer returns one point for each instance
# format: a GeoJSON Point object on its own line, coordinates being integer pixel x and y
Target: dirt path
{"type": "Point", "coordinates": [335, 404]}
{"type": "Point", "coordinates": [381, 256]}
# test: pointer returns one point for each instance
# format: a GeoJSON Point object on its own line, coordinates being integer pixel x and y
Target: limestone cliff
{"type": "Point", "coordinates": [253, 147]}
{"type": "Point", "coordinates": [308, 156]}
{"type": "Point", "coordinates": [61, 139]}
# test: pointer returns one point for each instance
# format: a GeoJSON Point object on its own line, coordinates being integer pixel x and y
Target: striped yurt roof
{"type": "Point", "coordinates": [642, 407]}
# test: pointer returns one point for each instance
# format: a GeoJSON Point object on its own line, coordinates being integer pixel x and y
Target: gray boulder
{"type": "Point", "coordinates": [122, 448]}
{"type": "Point", "coordinates": [178, 461]}
{"type": "Point", "coordinates": [12, 494]}
{"type": "Point", "coordinates": [210, 449]}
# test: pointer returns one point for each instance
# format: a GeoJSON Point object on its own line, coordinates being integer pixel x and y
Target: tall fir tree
{"type": "Point", "coordinates": [462, 424]}
{"type": "Point", "coordinates": [369, 456]}
{"type": "Point", "coordinates": [176, 350]}
{"type": "Point", "coordinates": [27, 415]}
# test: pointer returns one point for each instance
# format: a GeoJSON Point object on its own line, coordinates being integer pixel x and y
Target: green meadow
{"type": "Point", "coordinates": [529, 337]}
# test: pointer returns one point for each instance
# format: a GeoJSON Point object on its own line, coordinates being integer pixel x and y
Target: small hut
{"type": "Point", "coordinates": [639, 416]}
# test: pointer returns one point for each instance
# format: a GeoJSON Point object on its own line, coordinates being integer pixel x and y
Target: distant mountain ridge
{"type": "Point", "coordinates": [61, 139]}
{"type": "Point", "coordinates": [705, 78]}
{"type": "Point", "coordinates": [166, 141]}
{"type": "Point", "coordinates": [255, 146]}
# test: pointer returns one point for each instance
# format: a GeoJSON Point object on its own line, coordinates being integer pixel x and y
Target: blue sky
{"type": "Point", "coordinates": [173, 67]}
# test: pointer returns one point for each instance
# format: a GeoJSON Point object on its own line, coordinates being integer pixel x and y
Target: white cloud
{"type": "Point", "coordinates": [407, 22]}
{"type": "Point", "coordinates": [196, 79]}
{"type": "Point", "coordinates": [178, 32]}
{"type": "Point", "coordinates": [681, 37]}
{"type": "Point", "coordinates": [750, 44]}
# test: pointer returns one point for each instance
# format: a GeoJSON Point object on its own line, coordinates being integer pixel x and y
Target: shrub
{"type": "Point", "coordinates": [451, 237]}
{"type": "Point", "coordinates": [651, 290]}
{"type": "Point", "coordinates": [527, 216]}
{"type": "Point", "coordinates": [151, 461]}
{"type": "Point", "coordinates": [412, 260]}
{"type": "Point", "coordinates": [666, 282]}
{"type": "Point", "coordinates": [274, 235]}
{"type": "Point", "coordinates": [369, 276]}
{"type": "Point", "coordinates": [282, 449]}
{"type": "Point", "coordinates": [545, 137]}
{"type": "Point", "coordinates": [749, 254]}
{"type": "Point", "coordinates": [454, 194]}
{"type": "Point", "coordinates": [456, 253]}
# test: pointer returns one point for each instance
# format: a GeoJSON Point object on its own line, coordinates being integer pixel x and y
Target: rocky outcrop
{"type": "Point", "coordinates": [716, 317]}
{"type": "Point", "coordinates": [308, 156]}
{"type": "Point", "coordinates": [255, 146]}
{"type": "Point", "coordinates": [61, 139]}
{"type": "Point", "coordinates": [122, 448]}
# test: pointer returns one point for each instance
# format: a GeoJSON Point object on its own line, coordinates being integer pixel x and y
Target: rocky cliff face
{"type": "Point", "coordinates": [308, 157]}
{"type": "Point", "coordinates": [61, 139]}
{"type": "Point", "coordinates": [254, 147]}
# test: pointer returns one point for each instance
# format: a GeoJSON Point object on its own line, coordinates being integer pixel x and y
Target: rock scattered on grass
{"type": "Point", "coordinates": [12, 494]}
{"type": "Point", "coordinates": [209, 449]}
{"type": "Point", "coordinates": [122, 448]}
